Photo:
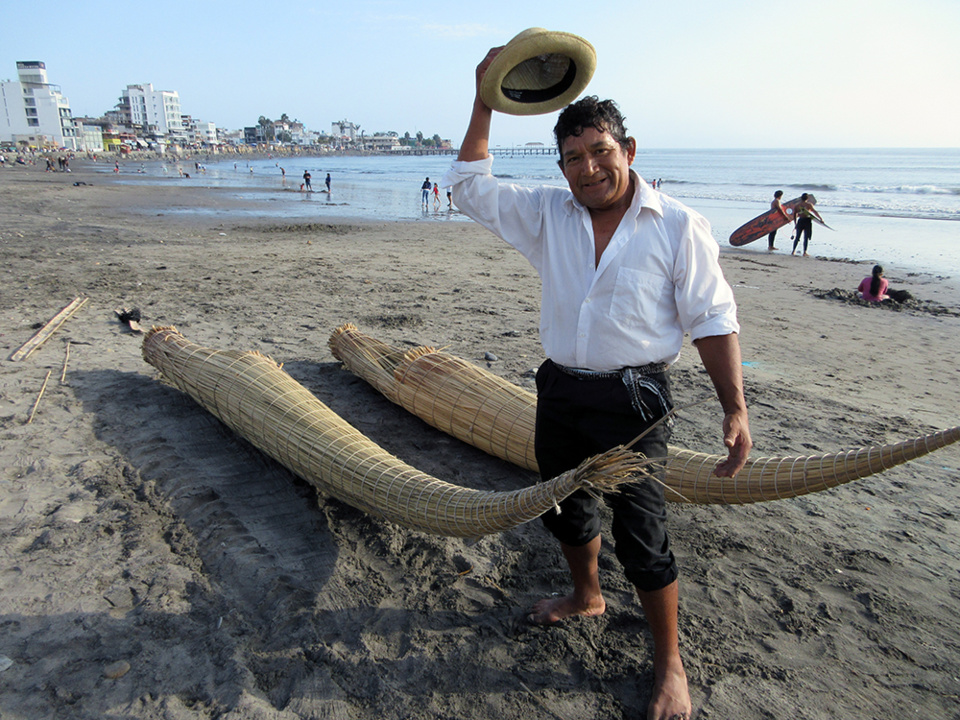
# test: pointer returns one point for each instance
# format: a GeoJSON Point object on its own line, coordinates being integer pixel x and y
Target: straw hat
{"type": "Point", "coordinates": [537, 72]}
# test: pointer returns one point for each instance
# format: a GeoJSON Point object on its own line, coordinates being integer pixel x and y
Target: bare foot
{"type": "Point", "coordinates": [671, 698]}
{"type": "Point", "coordinates": [554, 609]}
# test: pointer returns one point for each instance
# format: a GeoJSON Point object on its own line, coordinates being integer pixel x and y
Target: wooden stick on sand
{"type": "Point", "coordinates": [37, 401]}
{"type": "Point", "coordinates": [66, 356]}
{"type": "Point", "coordinates": [49, 329]}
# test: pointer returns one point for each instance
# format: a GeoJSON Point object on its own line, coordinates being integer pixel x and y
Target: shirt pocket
{"type": "Point", "coordinates": [636, 296]}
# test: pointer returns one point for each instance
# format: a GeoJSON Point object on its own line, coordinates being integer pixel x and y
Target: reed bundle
{"type": "Point", "coordinates": [252, 395]}
{"type": "Point", "coordinates": [486, 411]}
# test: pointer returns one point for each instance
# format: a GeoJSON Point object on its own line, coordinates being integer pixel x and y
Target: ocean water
{"type": "Point", "coordinates": [898, 207]}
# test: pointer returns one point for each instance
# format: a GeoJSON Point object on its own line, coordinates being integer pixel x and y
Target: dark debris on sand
{"type": "Point", "coordinates": [910, 304]}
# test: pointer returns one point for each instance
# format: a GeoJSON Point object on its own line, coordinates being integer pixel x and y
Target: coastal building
{"type": "Point", "coordinates": [153, 112]}
{"type": "Point", "coordinates": [229, 137]}
{"type": "Point", "coordinates": [344, 131]}
{"type": "Point", "coordinates": [90, 137]}
{"type": "Point", "coordinates": [206, 132]}
{"type": "Point", "coordinates": [199, 132]}
{"type": "Point", "coordinates": [254, 134]}
{"type": "Point", "coordinates": [383, 142]}
{"type": "Point", "coordinates": [290, 131]}
{"type": "Point", "coordinates": [33, 112]}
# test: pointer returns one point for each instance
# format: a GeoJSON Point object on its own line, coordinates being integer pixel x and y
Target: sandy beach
{"type": "Point", "coordinates": [155, 565]}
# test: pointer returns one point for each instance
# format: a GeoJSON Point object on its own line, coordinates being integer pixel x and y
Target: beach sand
{"type": "Point", "coordinates": [155, 565]}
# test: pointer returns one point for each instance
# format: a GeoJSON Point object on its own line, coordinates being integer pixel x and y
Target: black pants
{"type": "Point", "coordinates": [804, 227]}
{"type": "Point", "coordinates": [579, 418]}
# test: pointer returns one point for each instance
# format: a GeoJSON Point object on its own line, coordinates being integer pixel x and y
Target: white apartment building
{"type": "Point", "coordinates": [344, 130]}
{"type": "Point", "coordinates": [382, 143]}
{"type": "Point", "coordinates": [156, 111]}
{"type": "Point", "coordinates": [206, 132]}
{"type": "Point", "coordinates": [199, 131]}
{"type": "Point", "coordinates": [35, 113]}
{"type": "Point", "coordinates": [89, 137]}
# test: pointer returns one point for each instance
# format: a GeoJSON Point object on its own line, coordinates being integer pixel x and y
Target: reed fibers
{"type": "Point", "coordinates": [486, 411]}
{"type": "Point", "coordinates": [252, 395]}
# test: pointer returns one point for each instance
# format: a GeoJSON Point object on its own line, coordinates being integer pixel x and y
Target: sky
{"type": "Point", "coordinates": [685, 73]}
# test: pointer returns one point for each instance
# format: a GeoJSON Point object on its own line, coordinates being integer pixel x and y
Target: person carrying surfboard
{"type": "Point", "coordinates": [805, 214]}
{"type": "Point", "coordinates": [778, 206]}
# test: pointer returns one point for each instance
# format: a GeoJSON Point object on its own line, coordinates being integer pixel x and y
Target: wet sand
{"type": "Point", "coordinates": [137, 529]}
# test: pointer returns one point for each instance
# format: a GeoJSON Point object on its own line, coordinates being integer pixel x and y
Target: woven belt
{"type": "Point", "coordinates": [583, 374]}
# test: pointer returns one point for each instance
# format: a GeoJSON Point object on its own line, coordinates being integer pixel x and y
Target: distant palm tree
{"type": "Point", "coordinates": [267, 130]}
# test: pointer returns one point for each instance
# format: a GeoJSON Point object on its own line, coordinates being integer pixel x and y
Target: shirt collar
{"type": "Point", "coordinates": [644, 197]}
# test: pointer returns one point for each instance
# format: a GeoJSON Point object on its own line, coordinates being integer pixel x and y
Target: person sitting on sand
{"type": "Point", "coordinates": [613, 320]}
{"type": "Point", "coordinates": [874, 286]}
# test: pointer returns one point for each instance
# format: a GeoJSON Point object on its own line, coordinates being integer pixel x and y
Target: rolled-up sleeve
{"type": "Point", "coordinates": [704, 298]}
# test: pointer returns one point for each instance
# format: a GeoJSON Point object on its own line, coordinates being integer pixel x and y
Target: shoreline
{"type": "Point", "coordinates": [155, 565]}
{"type": "Point", "coordinates": [901, 243]}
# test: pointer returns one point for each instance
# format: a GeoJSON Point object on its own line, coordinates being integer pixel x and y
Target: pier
{"type": "Point", "coordinates": [498, 150]}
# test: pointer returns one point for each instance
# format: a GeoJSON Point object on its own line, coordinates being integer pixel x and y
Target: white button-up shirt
{"type": "Point", "coordinates": [658, 278]}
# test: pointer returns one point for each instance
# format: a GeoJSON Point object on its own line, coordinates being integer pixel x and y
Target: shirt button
{"type": "Point", "coordinates": [587, 300]}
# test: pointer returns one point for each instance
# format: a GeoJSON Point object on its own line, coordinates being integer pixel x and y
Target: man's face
{"type": "Point", "coordinates": [597, 168]}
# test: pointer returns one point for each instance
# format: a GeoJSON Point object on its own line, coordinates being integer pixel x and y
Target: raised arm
{"type": "Point", "coordinates": [476, 143]}
{"type": "Point", "coordinates": [720, 355]}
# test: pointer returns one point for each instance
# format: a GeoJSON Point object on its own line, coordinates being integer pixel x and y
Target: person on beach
{"type": "Point", "coordinates": [449, 197]}
{"type": "Point", "coordinates": [327, 182]}
{"type": "Point", "coordinates": [425, 193]}
{"type": "Point", "coordinates": [778, 206]}
{"type": "Point", "coordinates": [625, 273]}
{"type": "Point", "coordinates": [436, 196]}
{"type": "Point", "coordinates": [306, 180]}
{"type": "Point", "coordinates": [804, 213]}
{"type": "Point", "coordinates": [874, 287]}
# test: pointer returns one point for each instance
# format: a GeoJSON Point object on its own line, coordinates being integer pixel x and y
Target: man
{"type": "Point", "coordinates": [425, 193]}
{"type": "Point", "coordinates": [804, 213]}
{"type": "Point", "coordinates": [625, 271]}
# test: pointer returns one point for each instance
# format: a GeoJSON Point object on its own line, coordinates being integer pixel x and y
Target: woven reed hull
{"type": "Point", "coordinates": [254, 397]}
{"type": "Point", "coordinates": [499, 418]}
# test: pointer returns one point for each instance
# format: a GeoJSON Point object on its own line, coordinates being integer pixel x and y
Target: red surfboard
{"type": "Point", "coordinates": [765, 224]}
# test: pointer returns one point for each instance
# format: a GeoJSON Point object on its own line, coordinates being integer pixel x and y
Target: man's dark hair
{"type": "Point", "coordinates": [602, 115]}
